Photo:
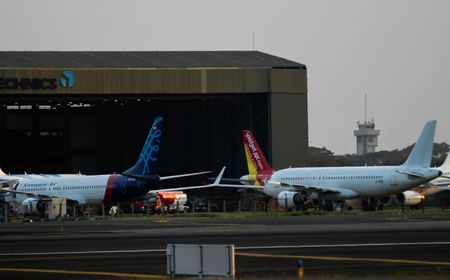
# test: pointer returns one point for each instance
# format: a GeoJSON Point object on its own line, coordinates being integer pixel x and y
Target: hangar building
{"type": "Point", "coordinates": [91, 111]}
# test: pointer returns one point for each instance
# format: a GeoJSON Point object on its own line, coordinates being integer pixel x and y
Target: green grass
{"type": "Point", "coordinates": [311, 212]}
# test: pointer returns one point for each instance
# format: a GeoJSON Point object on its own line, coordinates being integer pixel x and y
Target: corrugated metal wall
{"type": "Point", "coordinates": [278, 113]}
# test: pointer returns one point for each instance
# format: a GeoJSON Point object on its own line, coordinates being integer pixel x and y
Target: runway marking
{"type": "Point", "coordinates": [331, 258]}
{"type": "Point", "coordinates": [236, 248]}
{"type": "Point", "coordinates": [82, 252]}
{"type": "Point", "coordinates": [344, 245]}
{"type": "Point", "coordinates": [72, 257]}
{"type": "Point", "coordinates": [89, 273]}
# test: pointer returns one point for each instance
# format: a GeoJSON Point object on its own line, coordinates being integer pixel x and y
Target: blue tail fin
{"type": "Point", "coordinates": [420, 155]}
{"type": "Point", "coordinates": [146, 164]}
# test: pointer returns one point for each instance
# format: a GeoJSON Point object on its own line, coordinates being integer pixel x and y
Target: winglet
{"type": "Point", "coordinates": [219, 177]}
{"type": "Point", "coordinates": [420, 156]}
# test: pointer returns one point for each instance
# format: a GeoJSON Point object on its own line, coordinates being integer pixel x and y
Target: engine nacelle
{"type": "Point", "coordinates": [37, 206]}
{"type": "Point", "coordinates": [409, 198]}
{"type": "Point", "coordinates": [289, 199]}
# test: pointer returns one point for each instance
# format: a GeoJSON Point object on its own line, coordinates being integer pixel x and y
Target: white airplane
{"type": "Point", "coordinates": [260, 171]}
{"type": "Point", "coordinates": [97, 189]}
{"type": "Point", "coordinates": [291, 186]}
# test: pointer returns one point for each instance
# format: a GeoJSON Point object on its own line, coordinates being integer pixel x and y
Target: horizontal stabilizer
{"type": "Point", "coordinates": [180, 188]}
{"type": "Point", "coordinates": [153, 178]}
{"type": "Point", "coordinates": [411, 173]}
{"type": "Point", "coordinates": [436, 183]}
{"type": "Point", "coordinates": [443, 187]}
{"type": "Point", "coordinates": [164, 178]}
{"type": "Point", "coordinates": [216, 182]}
{"type": "Point", "coordinates": [445, 175]}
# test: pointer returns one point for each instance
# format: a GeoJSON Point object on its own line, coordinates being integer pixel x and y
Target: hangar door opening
{"type": "Point", "coordinates": [96, 135]}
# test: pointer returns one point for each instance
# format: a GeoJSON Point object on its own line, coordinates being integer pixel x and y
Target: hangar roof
{"type": "Point", "coordinates": [143, 59]}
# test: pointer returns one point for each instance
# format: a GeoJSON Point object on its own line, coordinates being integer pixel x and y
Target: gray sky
{"type": "Point", "coordinates": [396, 52]}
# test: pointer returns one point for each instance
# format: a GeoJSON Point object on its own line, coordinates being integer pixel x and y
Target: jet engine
{"type": "Point", "coordinates": [37, 206]}
{"type": "Point", "coordinates": [409, 198]}
{"type": "Point", "coordinates": [289, 199]}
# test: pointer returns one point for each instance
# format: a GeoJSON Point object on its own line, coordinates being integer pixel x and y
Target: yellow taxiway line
{"type": "Point", "coordinates": [330, 258]}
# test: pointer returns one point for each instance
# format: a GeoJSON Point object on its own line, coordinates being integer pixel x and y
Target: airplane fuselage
{"type": "Point", "coordinates": [92, 189]}
{"type": "Point", "coordinates": [352, 181]}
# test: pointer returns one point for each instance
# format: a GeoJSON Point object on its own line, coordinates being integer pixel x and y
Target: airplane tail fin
{"type": "Point", "coordinates": [250, 166]}
{"type": "Point", "coordinates": [420, 156]}
{"type": "Point", "coordinates": [256, 161]}
{"type": "Point", "coordinates": [146, 164]}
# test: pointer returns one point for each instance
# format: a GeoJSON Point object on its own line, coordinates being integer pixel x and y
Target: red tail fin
{"type": "Point", "coordinates": [256, 155]}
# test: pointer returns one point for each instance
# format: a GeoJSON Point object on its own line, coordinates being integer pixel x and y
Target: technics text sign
{"type": "Point", "coordinates": [27, 83]}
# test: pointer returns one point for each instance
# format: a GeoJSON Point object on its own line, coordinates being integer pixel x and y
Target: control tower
{"type": "Point", "coordinates": [366, 137]}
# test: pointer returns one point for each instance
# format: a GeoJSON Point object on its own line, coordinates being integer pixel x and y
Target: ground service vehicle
{"type": "Point", "coordinates": [163, 202]}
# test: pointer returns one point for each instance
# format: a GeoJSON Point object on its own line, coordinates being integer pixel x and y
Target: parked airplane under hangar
{"type": "Point", "coordinates": [89, 111]}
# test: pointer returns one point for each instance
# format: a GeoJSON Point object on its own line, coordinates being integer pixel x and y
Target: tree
{"type": "Point", "coordinates": [321, 157]}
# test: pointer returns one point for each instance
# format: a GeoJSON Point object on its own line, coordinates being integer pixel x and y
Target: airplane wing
{"type": "Point", "coordinates": [26, 193]}
{"type": "Point", "coordinates": [43, 196]}
{"type": "Point", "coordinates": [344, 193]}
{"type": "Point", "coordinates": [234, 180]}
{"type": "Point", "coordinates": [219, 178]}
{"type": "Point", "coordinates": [321, 189]}
{"type": "Point", "coordinates": [248, 187]}
{"type": "Point", "coordinates": [7, 181]}
{"type": "Point", "coordinates": [326, 190]}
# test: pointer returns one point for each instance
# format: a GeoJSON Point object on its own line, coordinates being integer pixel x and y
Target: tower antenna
{"type": "Point", "coordinates": [365, 108]}
{"type": "Point", "coordinates": [253, 39]}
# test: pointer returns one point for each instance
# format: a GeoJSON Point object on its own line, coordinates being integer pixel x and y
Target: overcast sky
{"type": "Point", "coordinates": [396, 52]}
